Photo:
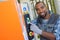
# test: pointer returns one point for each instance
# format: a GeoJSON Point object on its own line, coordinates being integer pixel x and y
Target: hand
{"type": "Point", "coordinates": [35, 29]}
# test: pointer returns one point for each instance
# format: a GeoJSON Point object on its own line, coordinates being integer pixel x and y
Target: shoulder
{"type": "Point", "coordinates": [58, 20]}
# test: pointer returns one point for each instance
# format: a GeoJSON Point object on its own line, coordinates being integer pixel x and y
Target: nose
{"type": "Point", "coordinates": [40, 10]}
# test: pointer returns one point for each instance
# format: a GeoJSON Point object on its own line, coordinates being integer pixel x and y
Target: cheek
{"type": "Point", "coordinates": [38, 12]}
{"type": "Point", "coordinates": [44, 9]}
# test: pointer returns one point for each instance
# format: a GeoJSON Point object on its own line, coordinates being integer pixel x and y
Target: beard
{"type": "Point", "coordinates": [43, 15]}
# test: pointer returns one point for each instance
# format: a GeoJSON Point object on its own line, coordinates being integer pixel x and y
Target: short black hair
{"type": "Point", "coordinates": [40, 2]}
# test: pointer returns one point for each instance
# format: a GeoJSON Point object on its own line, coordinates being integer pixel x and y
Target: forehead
{"type": "Point", "coordinates": [39, 5]}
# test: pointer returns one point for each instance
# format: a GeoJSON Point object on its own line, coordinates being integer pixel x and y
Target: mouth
{"type": "Point", "coordinates": [42, 14]}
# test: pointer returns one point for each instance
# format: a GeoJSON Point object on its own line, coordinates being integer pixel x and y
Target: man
{"type": "Point", "coordinates": [47, 23]}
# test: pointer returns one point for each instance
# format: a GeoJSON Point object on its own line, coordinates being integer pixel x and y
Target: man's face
{"type": "Point", "coordinates": [41, 9]}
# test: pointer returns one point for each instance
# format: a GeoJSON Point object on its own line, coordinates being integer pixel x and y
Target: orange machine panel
{"type": "Point", "coordinates": [10, 28]}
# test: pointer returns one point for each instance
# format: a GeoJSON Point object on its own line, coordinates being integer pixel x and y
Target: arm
{"type": "Point", "coordinates": [57, 29]}
{"type": "Point", "coordinates": [56, 34]}
{"type": "Point", "coordinates": [35, 29]}
{"type": "Point", "coordinates": [50, 36]}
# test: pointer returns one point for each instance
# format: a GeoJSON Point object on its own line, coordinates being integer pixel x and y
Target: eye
{"type": "Point", "coordinates": [42, 7]}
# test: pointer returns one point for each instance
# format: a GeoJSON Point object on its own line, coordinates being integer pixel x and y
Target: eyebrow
{"type": "Point", "coordinates": [42, 6]}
